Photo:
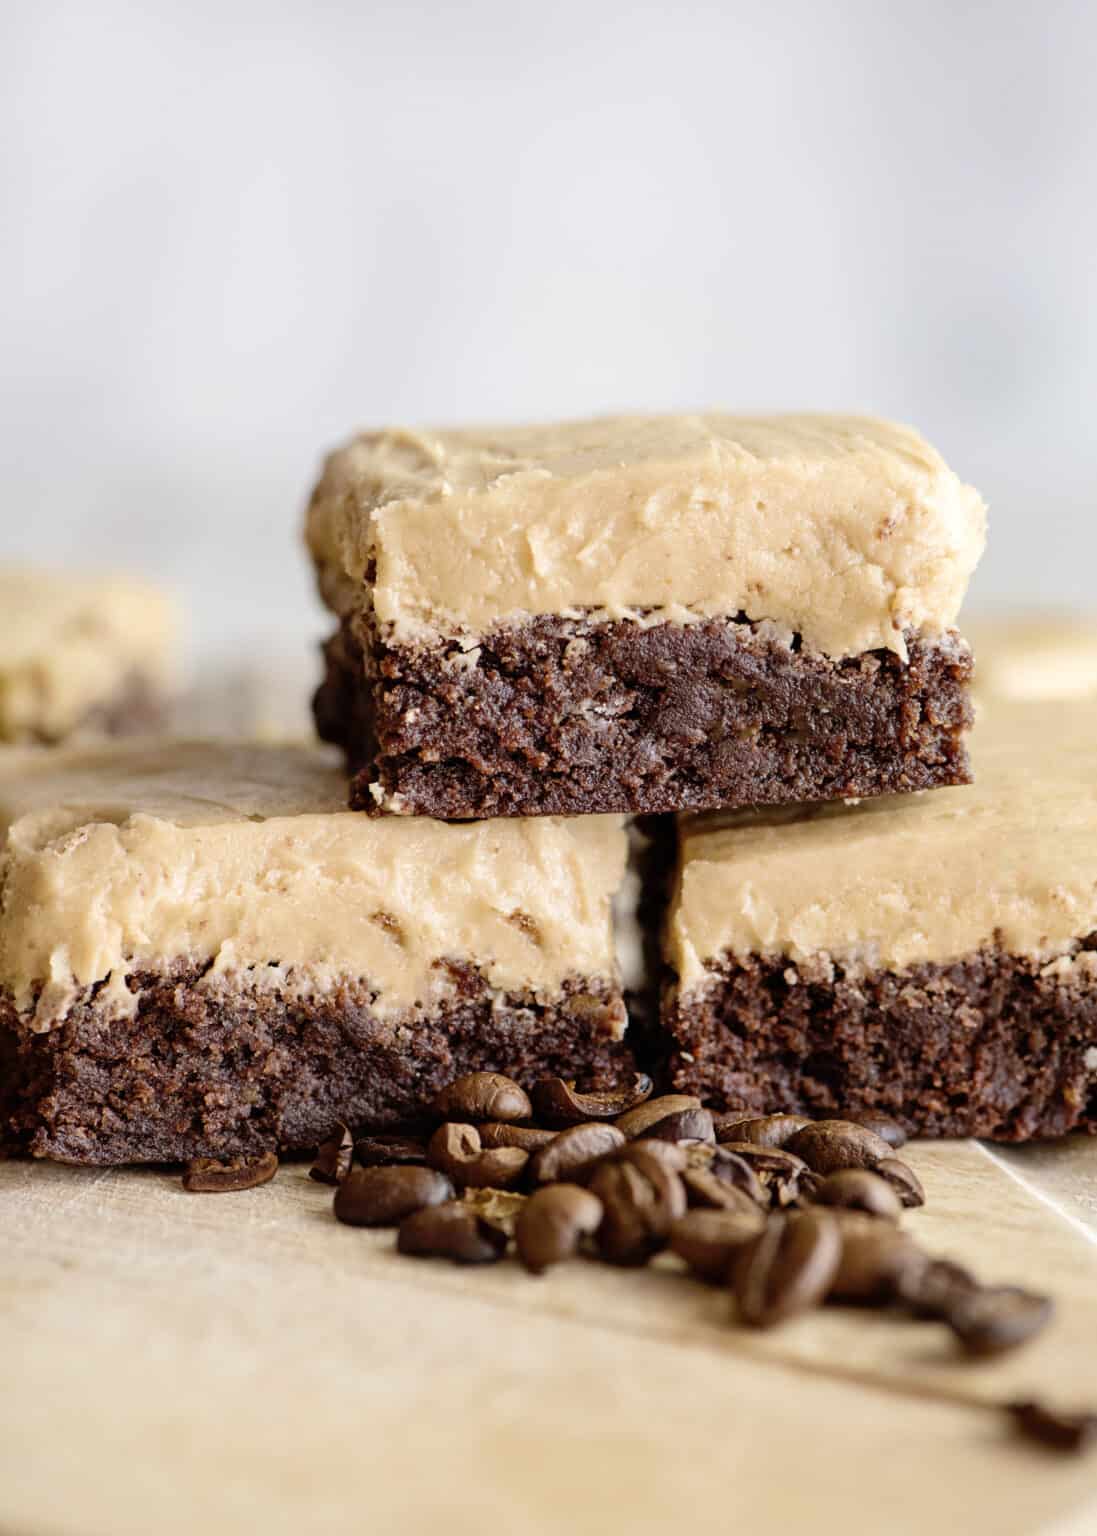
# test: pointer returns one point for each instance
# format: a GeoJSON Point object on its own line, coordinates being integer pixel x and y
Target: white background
{"type": "Point", "coordinates": [233, 232]}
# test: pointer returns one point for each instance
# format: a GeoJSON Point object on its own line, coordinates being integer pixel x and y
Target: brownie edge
{"type": "Point", "coordinates": [566, 716]}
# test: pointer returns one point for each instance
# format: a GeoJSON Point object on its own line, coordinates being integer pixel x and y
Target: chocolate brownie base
{"type": "Point", "coordinates": [560, 716]}
{"type": "Point", "coordinates": [216, 1073]}
{"type": "Point", "coordinates": [987, 1046]}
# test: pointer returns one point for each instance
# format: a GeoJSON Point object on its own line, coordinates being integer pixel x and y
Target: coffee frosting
{"type": "Point", "coordinates": [845, 530]}
{"type": "Point", "coordinates": [1008, 862]}
{"type": "Point", "coordinates": [69, 645]}
{"type": "Point", "coordinates": [132, 857]}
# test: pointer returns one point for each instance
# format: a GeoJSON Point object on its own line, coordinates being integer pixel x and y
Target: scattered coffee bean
{"type": "Point", "coordinates": [570, 1153]}
{"type": "Point", "coordinates": [672, 1154]}
{"type": "Point", "coordinates": [707, 1191]}
{"type": "Point", "coordinates": [828, 1145]}
{"type": "Point", "coordinates": [641, 1200]}
{"type": "Point", "coordinates": [682, 1125]}
{"type": "Point", "coordinates": [903, 1180]}
{"type": "Point", "coordinates": [930, 1292]}
{"type": "Point", "coordinates": [552, 1222]}
{"type": "Point", "coordinates": [451, 1231]}
{"type": "Point", "coordinates": [556, 1102]}
{"type": "Point", "coordinates": [333, 1158]}
{"type": "Point", "coordinates": [994, 1319]}
{"type": "Point", "coordinates": [496, 1133]}
{"type": "Point", "coordinates": [637, 1122]}
{"type": "Point", "coordinates": [482, 1096]}
{"type": "Point", "coordinates": [724, 1125]}
{"type": "Point", "coordinates": [382, 1197]}
{"type": "Point", "coordinates": [457, 1150]}
{"type": "Point", "coordinates": [1070, 1432]}
{"type": "Point", "coordinates": [766, 1130]}
{"type": "Point", "coordinates": [787, 1269]}
{"type": "Point", "coordinates": [709, 1240]}
{"type": "Point", "coordinates": [884, 1126]}
{"type": "Point", "coordinates": [877, 1259]}
{"type": "Point", "coordinates": [780, 1172]}
{"type": "Point", "coordinates": [730, 1168]}
{"type": "Point", "coordinates": [501, 1207]}
{"type": "Point", "coordinates": [858, 1189]}
{"type": "Point", "coordinates": [387, 1151]}
{"type": "Point", "coordinates": [215, 1176]}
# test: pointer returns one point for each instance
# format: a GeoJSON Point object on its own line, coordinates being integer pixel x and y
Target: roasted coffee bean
{"type": "Point", "coordinates": [215, 1176]}
{"type": "Point", "coordinates": [671, 1154]}
{"type": "Point", "coordinates": [931, 1291]}
{"type": "Point", "coordinates": [388, 1151]}
{"type": "Point", "coordinates": [499, 1206]}
{"type": "Point", "coordinates": [726, 1123]}
{"type": "Point", "coordinates": [877, 1259]}
{"type": "Point", "coordinates": [641, 1200]}
{"type": "Point", "coordinates": [1070, 1432]}
{"type": "Point", "coordinates": [709, 1240]}
{"type": "Point", "coordinates": [885, 1127]}
{"type": "Point", "coordinates": [780, 1172]}
{"type": "Point", "coordinates": [994, 1319]}
{"type": "Point", "coordinates": [765, 1130]}
{"type": "Point", "coordinates": [637, 1122]}
{"type": "Point", "coordinates": [730, 1168]}
{"type": "Point", "coordinates": [707, 1191]}
{"type": "Point", "coordinates": [569, 1154]}
{"type": "Point", "coordinates": [860, 1190]}
{"type": "Point", "coordinates": [382, 1197]}
{"type": "Point", "coordinates": [903, 1180]}
{"type": "Point", "coordinates": [682, 1125]}
{"type": "Point", "coordinates": [333, 1158]}
{"type": "Point", "coordinates": [451, 1231]}
{"type": "Point", "coordinates": [556, 1102]}
{"type": "Point", "coordinates": [552, 1222]}
{"type": "Point", "coordinates": [787, 1269]}
{"type": "Point", "coordinates": [828, 1145]}
{"type": "Point", "coordinates": [457, 1150]}
{"type": "Point", "coordinates": [482, 1096]}
{"type": "Point", "coordinates": [496, 1133]}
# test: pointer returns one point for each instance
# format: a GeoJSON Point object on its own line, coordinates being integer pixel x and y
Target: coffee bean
{"type": "Point", "coordinates": [787, 1269]}
{"type": "Point", "coordinates": [766, 1130]}
{"type": "Point", "coordinates": [641, 1200]}
{"type": "Point", "coordinates": [779, 1172]}
{"type": "Point", "coordinates": [382, 1197]}
{"type": "Point", "coordinates": [725, 1124]}
{"type": "Point", "coordinates": [828, 1145]}
{"type": "Point", "coordinates": [388, 1151]}
{"type": "Point", "coordinates": [877, 1259]}
{"type": "Point", "coordinates": [1070, 1432]}
{"type": "Point", "coordinates": [670, 1153]}
{"type": "Point", "coordinates": [931, 1291]}
{"type": "Point", "coordinates": [215, 1176]}
{"type": "Point", "coordinates": [709, 1240]}
{"type": "Point", "coordinates": [556, 1102]}
{"type": "Point", "coordinates": [482, 1096]}
{"type": "Point", "coordinates": [706, 1190]}
{"type": "Point", "coordinates": [570, 1153]}
{"type": "Point", "coordinates": [496, 1133]}
{"type": "Point", "coordinates": [994, 1319]}
{"type": "Point", "coordinates": [884, 1126]}
{"type": "Point", "coordinates": [333, 1158]}
{"type": "Point", "coordinates": [456, 1150]}
{"type": "Point", "coordinates": [552, 1222]}
{"type": "Point", "coordinates": [682, 1125]}
{"type": "Point", "coordinates": [501, 1207]}
{"type": "Point", "coordinates": [451, 1231]}
{"type": "Point", "coordinates": [638, 1121]}
{"type": "Point", "coordinates": [903, 1180]}
{"type": "Point", "coordinates": [860, 1190]}
{"type": "Point", "coordinates": [731, 1168]}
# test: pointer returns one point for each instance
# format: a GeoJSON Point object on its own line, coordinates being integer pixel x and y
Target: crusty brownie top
{"type": "Point", "coordinates": [845, 530]}
{"type": "Point", "coordinates": [70, 644]}
{"type": "Point", "coordinates": [1008, 862]}
{"type": "Point", "coordinates": [130, 858]}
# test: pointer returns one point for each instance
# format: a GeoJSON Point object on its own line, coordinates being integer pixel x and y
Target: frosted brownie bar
{"type": "Point", "coordinates": [644, 614]}
{"type": "Point", "coordinates": [82, 656]}
{"type": "Point", "coordinates": [202, 952]}
{"type": "Point", "coordinates": [934, 957]}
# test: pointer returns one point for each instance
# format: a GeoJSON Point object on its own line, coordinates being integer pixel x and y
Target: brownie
{"type": "Point", "coordinates": [644, 615]}
{"type": "Point", "coordinates": [204, 953]}
{"type": "Point", "coordinates": [933, 957]}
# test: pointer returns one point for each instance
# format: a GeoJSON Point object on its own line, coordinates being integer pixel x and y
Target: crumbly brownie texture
{"type": "Point", "coordinates": [989, 1046]}
{"type": "Point", "coordinates": [566, 716]}
{"type": "Point", "coordinates": [201, 1072]}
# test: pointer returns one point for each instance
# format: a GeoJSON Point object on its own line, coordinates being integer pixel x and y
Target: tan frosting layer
{"type": "Point", "coordinates": [132, 857]}
{"type": "Point", "coordinates": [69, 645]}
{"type": "Point", "coordinates": [1036, 656]}
{"type": "Point", "coordinates": [845, 529]}
{"type": "Point", "coordinates": [1010, 860]}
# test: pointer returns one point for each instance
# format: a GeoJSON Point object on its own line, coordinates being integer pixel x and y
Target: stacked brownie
{"type": "Point", "coordinates": [738, 630]}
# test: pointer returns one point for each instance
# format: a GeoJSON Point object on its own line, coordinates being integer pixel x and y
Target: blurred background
{"type": "Point", "coordinates": [231, 233]}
